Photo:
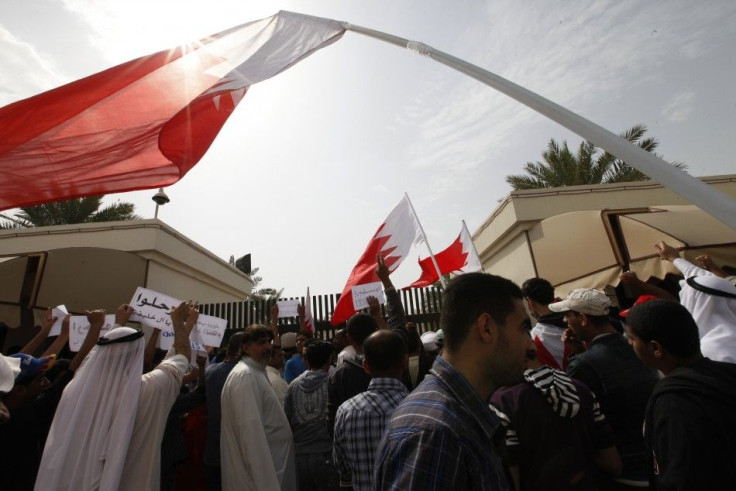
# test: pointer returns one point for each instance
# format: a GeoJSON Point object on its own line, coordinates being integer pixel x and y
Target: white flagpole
{"type": "Point", "coordinates": [465, 228]}
{"type": "Point", "coordinates": [705, 197]}
{"type": "Point", "coordinates": [424, 236]}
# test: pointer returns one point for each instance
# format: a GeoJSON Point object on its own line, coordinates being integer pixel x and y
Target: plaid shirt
{"type": "Point", "coordinates": [359, 426]}
{"type": "Point", "coordinates": [442, 437]}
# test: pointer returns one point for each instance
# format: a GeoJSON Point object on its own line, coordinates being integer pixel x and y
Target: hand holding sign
{"type": "Point", "coordinates": [362, 292]}
{"type": "Point", "coordinates": [123, 314]}
{"type": "Point", "coordinates": [55, 318]}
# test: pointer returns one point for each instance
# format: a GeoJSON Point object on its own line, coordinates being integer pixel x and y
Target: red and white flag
{"type": "Point", "coordinates": [459, 257]}
{"type": "Point", "coordinates": [393, 240]}
{"type": "Point", "coordinates": [145, 123]}
{"type": "Point", "coordinates": [308, 319]}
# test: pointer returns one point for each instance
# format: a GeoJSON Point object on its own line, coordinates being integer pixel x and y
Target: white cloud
{"type": "Point", "coordinates": [25, 72]}
{"type": "Point", "coordinates": [679, 107]}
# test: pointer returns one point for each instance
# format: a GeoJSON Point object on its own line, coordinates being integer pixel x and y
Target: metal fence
{"type": "Point", "coordinates": [422, 307]}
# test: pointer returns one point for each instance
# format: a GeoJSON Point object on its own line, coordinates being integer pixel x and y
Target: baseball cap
{"type": "Point", "coordinates": [584, 300]}
{"type": "Point", "coordinates": [288, 340]}
{"type": "Point", "coordinates": [30, 366]}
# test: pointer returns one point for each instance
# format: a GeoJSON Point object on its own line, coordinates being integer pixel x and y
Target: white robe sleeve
{"type": "Point", "coordinates": [159, 389]}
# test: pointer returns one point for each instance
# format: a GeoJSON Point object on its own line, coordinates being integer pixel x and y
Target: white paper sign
{"type": "Point", "coordinates": [79, 326]}
{"type": "Point", "coordinates": [209, 330]}
{"type": "Point", "coordinates": [153, 308]}
{"type": "Point", "coordinates": [60, 313]}
{"type": "Point", "coordinates": [288, 308]}
{"type": "Point", "coordinates": [362, 292]}
{"type": "Point", "coordinates": [166, 341]}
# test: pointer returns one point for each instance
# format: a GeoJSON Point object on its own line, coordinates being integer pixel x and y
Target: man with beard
{"type": "Point", "coordinates": [444, 435]}
{"type": "Point", "coordinates": [256, 444]}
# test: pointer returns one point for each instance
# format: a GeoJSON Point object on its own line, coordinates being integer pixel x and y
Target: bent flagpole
{"type": "Point", "coordinates": [705, 197]}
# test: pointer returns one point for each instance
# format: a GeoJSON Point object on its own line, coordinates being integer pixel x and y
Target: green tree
{"type": "Point", "coordinates": [589, 165]}
{"type": "Point", "coordinates": [79, 210]}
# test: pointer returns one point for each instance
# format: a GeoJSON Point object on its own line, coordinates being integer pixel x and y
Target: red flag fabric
{"type": "Point", "coordinates": [145, 123]}
{"type": "Point", "coordinates": [308, 319]}
{"type": "Point", "coordinates": [460, 256]}
{"type": "Point", "coordinates": [392, 240]}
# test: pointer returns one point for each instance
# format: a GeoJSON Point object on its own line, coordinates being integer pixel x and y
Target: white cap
{"type": "Point", "coordinates": [429, 341]}
{"type": "Point", "coordinates": [584, 300]}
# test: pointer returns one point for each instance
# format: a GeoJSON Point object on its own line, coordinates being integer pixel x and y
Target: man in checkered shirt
{"type": "Point", "coordinates": [360, 421]}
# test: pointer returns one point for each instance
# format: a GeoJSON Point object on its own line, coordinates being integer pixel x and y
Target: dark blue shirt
{"type": "Point", "coordinates": [442, 437]}
{"type": "Point", "coordinates": [215, 377]}
{"type": "Point", "coordinates": [294, 367]}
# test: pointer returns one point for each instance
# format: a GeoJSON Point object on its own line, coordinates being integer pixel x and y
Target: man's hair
{"type": "Point", "coordinates": [384, 350]}
{"type": "Point", "coordinates": [470, 295]}
{"type": "Point", "coordinates": [667, 322]}
{"type": "Point", "coordinates": [317, 352]}
{"type": "Point", "coordinates": [360, 326]}
{"type": "Point", "coordinates": [234, 344]}
{"type": "Point", "coordinates": [256, 332]}
{"type": "Point", "coordinates": [598, 321]}
{"type": "Point", "coordinates": [539, 290]}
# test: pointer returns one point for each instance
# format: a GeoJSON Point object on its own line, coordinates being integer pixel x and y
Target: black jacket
{"type": "Point", "coordinates": [690, 428]}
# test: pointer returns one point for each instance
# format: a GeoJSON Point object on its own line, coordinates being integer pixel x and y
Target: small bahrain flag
{"type": "Point", "coordinates": [459, 257]}
{"type": "Point", "coordinates": [393, 240]}
{"type": "Point", "coordinates": [144, 124]}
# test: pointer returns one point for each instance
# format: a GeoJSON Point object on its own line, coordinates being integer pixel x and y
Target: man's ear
{"type": "Point", "coordinates": [366, 367]}
{"type": "Point", "coordinates": [584, 319]}
{"type": "Point", "coordinates": [486, 328]}
{"type": "Point", "coordinates": [656, 348]}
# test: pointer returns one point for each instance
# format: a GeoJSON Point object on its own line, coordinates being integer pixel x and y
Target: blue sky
{"type": "Point", "coordinates": [315, 158]}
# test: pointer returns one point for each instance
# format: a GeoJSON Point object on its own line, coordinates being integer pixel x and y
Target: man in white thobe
{"type": "Point", "coordinates": [109, 424]}
{"type": "Point", "coordinates": [256, 444]}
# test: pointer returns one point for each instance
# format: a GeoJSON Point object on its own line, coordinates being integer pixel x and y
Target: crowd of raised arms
{"type": "Point", "coordinates": [518, 389]}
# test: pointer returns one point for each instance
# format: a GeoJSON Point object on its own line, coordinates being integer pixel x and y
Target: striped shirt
{"type": "Point", "coordinates": [442, 437]}
{"type": "Point", "coordinates": [359, 426]}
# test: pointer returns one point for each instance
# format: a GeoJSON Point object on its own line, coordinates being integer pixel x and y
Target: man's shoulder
{"type": "Point", "coordinates": [429, 406]}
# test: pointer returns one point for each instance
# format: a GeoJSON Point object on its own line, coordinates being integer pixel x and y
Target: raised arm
{"type": "Point", "coordinates": [41, 335]}
{"type": "Point", "coordinates": [183, 319]}
{"type": "Point", "coordinates": [642, 287]}
{"type": "Point", "coordinates": [61, 339]}
{"type": "Point", "coordinates": [274, 323]}
{"type": "Point", "coordinates": [150, 350]}
{"type": "Point", "coordinates": [374, 308]}
{"type": "Point", "coordinates": [394, 307]}
{"type": "Point", "coordinates": [96, 320]}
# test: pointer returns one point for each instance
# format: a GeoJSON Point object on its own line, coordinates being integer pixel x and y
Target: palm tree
{"type": "Point", "coordinates": [79, 210]}
{"type": "Point", "coordinates": [588, 166]}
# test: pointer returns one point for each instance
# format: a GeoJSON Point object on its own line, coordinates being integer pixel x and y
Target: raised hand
{"type": "Point", "coordinates": [123, 314]}
{"type": "Point", "coordinates": [665, 251]}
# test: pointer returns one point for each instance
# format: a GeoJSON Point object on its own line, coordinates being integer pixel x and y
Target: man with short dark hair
{"type": "Point", "coordinates": [306, 409]}
{"type": "Point", "coordinates": [610, 369]}
{"type": "Point", "coordinates": [547, 333]}
{"type": "Point", "coordinates": [689, 425]}
{"type": "Point", "coordinates": [360, 421]}
{"type": "Point", "coordinates": [444, 435]}
{"type": "Point", "coordinates": [296, 364]}
{"type": "Point", "coordinates": [215, 376]}
{"type": "Point", "coordinates": [256, 444]}
{"type": "Point", "coordinates": [350, 379]}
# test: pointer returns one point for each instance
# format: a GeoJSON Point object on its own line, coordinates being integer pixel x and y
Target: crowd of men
{"type": "Point", "coordinates": [587, 398]}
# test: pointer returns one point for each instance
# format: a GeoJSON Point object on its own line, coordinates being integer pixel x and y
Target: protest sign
{"type": "Point", "coordinates": [288, 308]}
{"type": "Point", "coordinates": [60, 313]}
{"type": "Point", "coordinates": [362, 292]}
{"type": "Point", "coordinates": [79, 326]}
{"type": "Point", "coordinates": [152, 308]}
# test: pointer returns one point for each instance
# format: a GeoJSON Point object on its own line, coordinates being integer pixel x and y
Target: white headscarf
{"type": "Point", "coordinates": [9, 369]}
{"type": "Point", "coordinates": [715, 316]}
{"type": "Point", "coordinates": [89, 437]}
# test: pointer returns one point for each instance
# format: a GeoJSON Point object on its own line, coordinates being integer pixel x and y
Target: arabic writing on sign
{"type": "Point", "coordinates": [152, 308]}
{"type": "Point", "coordinates": [79, 326]}
{"type": "Point", "coordinates": [362, 292]}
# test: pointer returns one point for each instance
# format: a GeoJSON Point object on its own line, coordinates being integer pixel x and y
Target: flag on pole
{"type": "Point", "coordinates": [145, 123]}
{"type": "Point", "coordinates": [308, 319]}
{"type": "Point", "coordinates": [459, 257]}
{"type": "Point", "coordinates": [393, 240]}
